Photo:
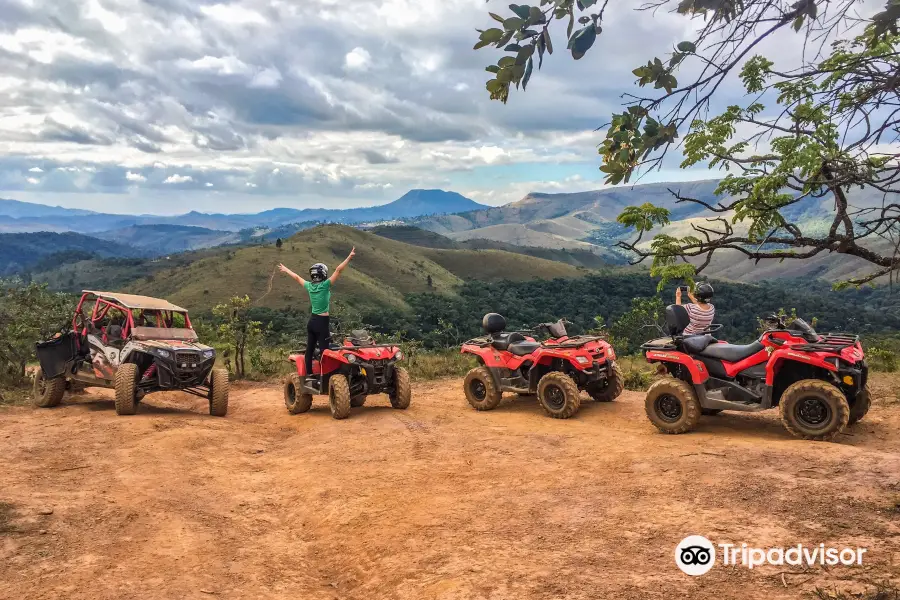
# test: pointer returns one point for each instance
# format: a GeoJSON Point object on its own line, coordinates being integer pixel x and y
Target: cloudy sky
{"type": "Point", "coordinates": [166, 106]}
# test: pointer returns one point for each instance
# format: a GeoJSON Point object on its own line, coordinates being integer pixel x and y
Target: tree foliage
{"type": "Point", "coordinates": [239, 329]}
{"type": "Point", "coordinates": [28, 314]}
{"type": "Point", "coordinates": [806, 133]}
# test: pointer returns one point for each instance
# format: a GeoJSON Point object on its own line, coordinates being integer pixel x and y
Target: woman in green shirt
{"type": "Point", "coordinates": [319, 288]}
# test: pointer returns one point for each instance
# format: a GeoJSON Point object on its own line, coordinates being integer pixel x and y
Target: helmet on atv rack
{"type": "Point", "coordinates": [493, 323]}
{"type": "Point", "coordinates": [704, 292]}
{"type": "Point", "coordinates": [318, 272]}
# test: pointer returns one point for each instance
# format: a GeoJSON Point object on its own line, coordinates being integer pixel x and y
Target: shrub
{"type": "Point", "coordinates": [882, 359]}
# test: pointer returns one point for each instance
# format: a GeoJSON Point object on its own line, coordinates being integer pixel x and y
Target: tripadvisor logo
{"type": "Point", "coordinates": [696, 555]}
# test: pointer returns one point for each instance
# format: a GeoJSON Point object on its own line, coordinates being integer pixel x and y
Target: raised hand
{"type": "Point", "coordinates": [352, 252]}
{"type": "Point", "coordinates": [284, 269]}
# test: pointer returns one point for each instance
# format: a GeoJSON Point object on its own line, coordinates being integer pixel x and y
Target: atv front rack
{"type": "Point", "coordinates": [829, 342]}
{"type": "Point", "coordinates": [575, 341]}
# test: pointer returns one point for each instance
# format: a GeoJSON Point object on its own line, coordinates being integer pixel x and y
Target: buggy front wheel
{"type": "Point", "coordinates": [218, 392]}
{"type": "Point", "coordinates": [126, 389]}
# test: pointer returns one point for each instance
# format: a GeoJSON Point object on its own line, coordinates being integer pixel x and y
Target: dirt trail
{"type": "Point", "coordinates": [438, 501]}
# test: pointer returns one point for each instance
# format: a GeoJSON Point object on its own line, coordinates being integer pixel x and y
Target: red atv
{"type": "Point", "coordinates": [348, 373]}
{"type": "Point", "coordinates": [819, 381]}
{"type": "Point", "coordinates": [556, 369]}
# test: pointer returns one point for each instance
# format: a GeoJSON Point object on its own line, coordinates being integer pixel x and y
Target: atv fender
{"type": "Point", "coordinates": [697, 369]}
{"type": "Point", "coordinates": [487, 356]}
{"type": "Point", "coordinates": [784, 355]}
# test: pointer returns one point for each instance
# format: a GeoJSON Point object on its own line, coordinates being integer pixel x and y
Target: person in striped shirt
{"type": "Point", "coordinates": [701, 311]}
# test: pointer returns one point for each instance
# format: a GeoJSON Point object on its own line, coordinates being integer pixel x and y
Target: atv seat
{"type": "Point", "coordinates": [731, 352]}
{"type": "Point", "coordinates": [523, 348]}
{"type": "Point", "coordinates": [501, 341]}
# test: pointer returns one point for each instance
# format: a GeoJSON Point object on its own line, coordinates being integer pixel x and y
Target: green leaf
{"type": "Point", "coordinates": [496, 17]}
{"type": "Point", "coordinates": [582, 41]}
{"type": "Point", "coordinates": [494, 86]}
{"type": "Point", "coordinates": [547, 41]}
{"type": "Point", "coordinates": [492, 35]}
{"type": "Point", "coordinates": [798, 23]}
{"type": "Point", "coordinates": [687, 47]}
{"type": "Point", "coordinates": [536, 16]}
{"type": "Point", "coordinates": [571, 24]}
{"type": "Point", "coordinates": [505, 76]}
{"type": "Point", "coordinates": [506, 61]}
{"type": "Point", "coordinates": [513, 23]}
{"type": "Point", "coordinates": [588, 3]}
{"type": "Point", "coordinates": [523, 11]}
{"type": "Point", "coordinates": [529, 67]}
{"type": "Point", "coordinates": [492, 69]}
{"type": "Point", "coordinates": [480, 45]}
{"type": "Point", "coordinates": [584, 20]}
{"type": "Point", "coordinates": [512, 48]}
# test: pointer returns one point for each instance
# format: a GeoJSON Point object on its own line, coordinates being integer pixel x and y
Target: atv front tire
{"type": "Point", "coordinates": [339, 396]}
{"type": "Point", "coordinates": [401, 395]}
{"type": "Point", "coordinates": [218, 392]}
{"type": "Point", "coordinates": [861, 406]}
{"type": "Point", "coordinates": [672, 406]}
{"type": "Point", "coordinates": [48, 392]}
{"type": "Point", "coordinates": [814, 410]}
{"type": "Point", "coordinates": [126, 389]}
{"type": "Point", "coordinates": [558, 395]}
{"type": "Point", "coordinates": [609, 390]}
{"type": "Point", "coordinates": [295, 400]}
{"type": "Point", "coordinates": [480, 390]}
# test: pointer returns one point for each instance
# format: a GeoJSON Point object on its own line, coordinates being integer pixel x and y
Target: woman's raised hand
{"type": "Point", "coordinates": [284, 269]}
{"type": "Point", "coordinates": [352, 252]}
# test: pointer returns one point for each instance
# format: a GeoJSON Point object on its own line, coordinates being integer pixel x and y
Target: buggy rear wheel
{"type": "Point", "coordinates": [339, 396]}
{"type": "Point", "coordinates": [610, 389]}
{"type": "Point", "coordinates": [48, 392]}
{"type": "Point", "coordinates": [558, 395]}
{"type": "Point", "coordinates": [126, 389]}
{"type": "Point", "coordinates": [218, 392]}
{"type": "Point", "coordinates": [672, 406]}
{"type": "Point", "coordinates": [295, 400]}
{"type": "Point", "coordinates": [401, 395]}
{"type": "Point", "coordinates": [814, 410]}
{"type": "Point", "coordinates": [861, 406]}
{"type": "Point", "coordinates": [480, 390]}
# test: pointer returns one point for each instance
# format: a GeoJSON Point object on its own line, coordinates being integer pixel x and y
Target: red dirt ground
{"type": "Point", "coordinates": [438, 501]}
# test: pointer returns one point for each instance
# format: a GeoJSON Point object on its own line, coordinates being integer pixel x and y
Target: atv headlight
{"type": "Point", "coordinates": [582, 360]}
{"type": "Point", "coordinates": [351, 358]}
{"type": "Point", "coordinates": [399, 355]}
{"type": "Point", "coordinates": [207, 354]}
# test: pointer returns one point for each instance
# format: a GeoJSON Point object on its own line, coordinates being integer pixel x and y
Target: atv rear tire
{"type": "Point", "coordinates": [672, 406]}
{"type": "Point", "coordinates": [814, 410]}
{"type": "Point", "coordinates": [339, 396]}
{"type": "Point", "coordinates": [861, 406]}
{"type": "Point", "coordinates": [126, 389]}
{"type": "Point", "coordinates": [558, 395]}
{"type": "Point", "coordinates": [480, 390]}
{"type": "Point", "coordinates": [48, 392]}
{"type": "Point", "coordinates": [218, 392]}
{"type": "Point", "coordinates": [401, 395]}
{"type": "Point", "coordinates": [611, 389]}
{"type": "Point", "coordinates": [295, 400]}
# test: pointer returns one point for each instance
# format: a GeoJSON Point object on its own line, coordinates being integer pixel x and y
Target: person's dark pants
{"type": "Point", "coordinates": [316, 335]}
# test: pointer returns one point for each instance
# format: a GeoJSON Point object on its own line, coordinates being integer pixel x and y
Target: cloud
{"type": "Point", "coordinates": [357, 59]}
{"type": "Point", "coordinates": [178, 179]}
{"type": "Point", "coordinates": [35, 170]}
{"type": "Point", "coordinates": [352, 102]}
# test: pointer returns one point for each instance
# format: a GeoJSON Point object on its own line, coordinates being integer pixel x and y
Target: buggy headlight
{"type": "Point", "coordinates": [351, 358]}
{"type": "Point", "coordinates": [209, 354]}
{"type": "Point", "coordinates": [582, 360]}
{"type": "Point", "coordinates": [399, 355]}
{"type": "Point", "coordinates": [163, 353]}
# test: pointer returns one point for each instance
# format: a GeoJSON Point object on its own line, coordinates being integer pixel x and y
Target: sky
{"type": "Point", "coordinates": [166, 106]}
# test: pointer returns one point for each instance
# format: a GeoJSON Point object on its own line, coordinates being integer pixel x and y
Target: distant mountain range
{"type": "Point", "coordinates": [22, 217]}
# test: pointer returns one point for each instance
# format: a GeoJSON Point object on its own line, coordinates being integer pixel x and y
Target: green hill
{"type": "Point", "coordinates": [22, 252]}
{"type": "Point", "coordinates": [382, 273]}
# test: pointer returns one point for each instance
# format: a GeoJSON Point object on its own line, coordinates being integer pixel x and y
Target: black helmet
{"type": "Point", "coordinates": [318, 272]}
{"type": "Point", "coordinates": [704, 291]}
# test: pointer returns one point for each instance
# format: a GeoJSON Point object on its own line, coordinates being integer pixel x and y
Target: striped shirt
{"type": "Point", "coordinates": [701, 318]}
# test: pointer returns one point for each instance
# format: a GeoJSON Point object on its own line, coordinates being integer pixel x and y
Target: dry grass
{"type": "Point", "coordinates": [875, 591]}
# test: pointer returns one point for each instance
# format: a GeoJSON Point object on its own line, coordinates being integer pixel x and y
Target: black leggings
{"type": "Point", "coordinates": [316, 335]}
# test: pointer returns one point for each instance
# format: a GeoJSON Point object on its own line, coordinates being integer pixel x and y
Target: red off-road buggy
{"type": "Point", "coordinates": [555, 369]}
{"type": "Point", "coordinates": [348, 373]}
{"type": "Point", "coordinates": [819, 381]}
{"type": "Point", "coordinates": [135, 345]}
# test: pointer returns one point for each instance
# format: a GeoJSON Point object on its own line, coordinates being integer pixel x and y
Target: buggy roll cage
{"type": "Point", "coordinates": [102, 306]}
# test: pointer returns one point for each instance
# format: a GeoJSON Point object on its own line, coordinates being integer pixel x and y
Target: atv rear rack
{"type": "Point", "coordinates": [830, 342]}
